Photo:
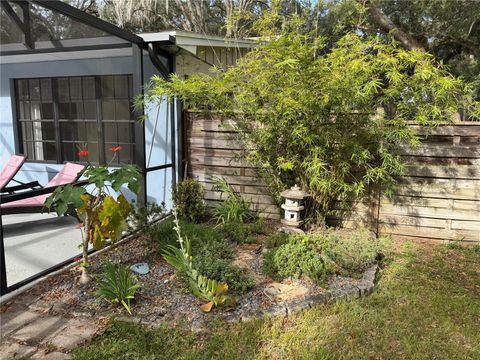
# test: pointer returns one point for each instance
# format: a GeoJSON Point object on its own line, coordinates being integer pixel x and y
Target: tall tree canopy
{"type": "Point", "coordinates": [307, 109]}
{"type": "Point", "coordinates": [448, 29]}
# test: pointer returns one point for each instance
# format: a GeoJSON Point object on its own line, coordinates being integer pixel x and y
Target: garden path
{"type": "Point", "coordinates": [28, 330]}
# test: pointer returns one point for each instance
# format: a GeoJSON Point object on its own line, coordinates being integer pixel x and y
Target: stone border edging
{"type": "Point", "coordinates": [363, 288]}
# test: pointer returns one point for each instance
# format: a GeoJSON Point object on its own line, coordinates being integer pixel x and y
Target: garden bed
{"type": "Point", "coordinates": [164, 295]}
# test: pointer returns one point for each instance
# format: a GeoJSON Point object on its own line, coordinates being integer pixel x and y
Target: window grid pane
{"type": "Point", "coordinates": [76, 100]}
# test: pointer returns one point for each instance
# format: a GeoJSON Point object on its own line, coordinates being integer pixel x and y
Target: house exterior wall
{"type": "Point", "coordinates": [157, 124]}
{"type": "Point", "coordinates": [187, 64]}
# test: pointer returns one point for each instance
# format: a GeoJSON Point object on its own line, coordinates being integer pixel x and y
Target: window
{"type": "Point", "coordinates": [59, 116]}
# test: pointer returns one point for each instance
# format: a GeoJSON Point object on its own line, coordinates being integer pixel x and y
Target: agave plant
{"type": "Point", "coordinates": [117, 285]}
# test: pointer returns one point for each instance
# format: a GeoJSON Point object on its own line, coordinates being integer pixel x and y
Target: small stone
{"type": "Point", "coordinates": [365, 287]}
{"type": "Point", "coordinates": [370, 274]}
{"type": "Point", "coordinates": [294, 306]}
{"type": "Point", "coordinates": [165, 281]}
{"type": "Point", "coordinates": [291, 230]}
{"type": "Point", "coordinates": [317, 299]}
{"type": "Point", "coordinates": [284, 292]}
{"type": "Point", "coordinates": [140, 268]}
{"type": "Point", "coordinates": [275, 310]}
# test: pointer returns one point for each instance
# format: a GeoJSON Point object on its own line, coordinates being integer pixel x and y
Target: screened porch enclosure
{"type": "Point", "coordinates": [68, 82]}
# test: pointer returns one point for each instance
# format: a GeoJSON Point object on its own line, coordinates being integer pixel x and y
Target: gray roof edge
{"type": "Point", "coordinates": [181, 37]}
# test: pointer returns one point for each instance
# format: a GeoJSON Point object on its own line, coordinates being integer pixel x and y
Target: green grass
{"type": "Point", "coordinates": [426, 306]}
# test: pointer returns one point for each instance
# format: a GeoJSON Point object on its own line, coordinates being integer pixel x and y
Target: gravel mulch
{"type": "Point", "coordinates": [163, 296]}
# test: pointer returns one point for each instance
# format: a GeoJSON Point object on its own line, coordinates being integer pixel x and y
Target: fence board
{"type": "Point", "coordinates": [255, 198]}
{"type": "Point", "coordinates": [430, 233]}
{"type": "Point", "coordinates": [437, 198]}
{"type": "Point", "coordinates": [442, 151]}
{"type": "Point", "coordinates": [439, 171]}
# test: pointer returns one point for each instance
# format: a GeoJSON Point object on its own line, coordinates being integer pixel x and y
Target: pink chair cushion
{"type": "Point", "coordinates": [10, 169]}
{"type": "Point", "coordinates": [68, 175]}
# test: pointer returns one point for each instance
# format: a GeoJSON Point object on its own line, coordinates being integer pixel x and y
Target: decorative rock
{"type": "Point", "coordinates": [297, 305]}
{"type": "Point", "coordinates": [140, 268]}
{"type": "Point", "coordinates": [318, 299]}
{"type": "Point", "coordinates": [276, 310]}
{"type": "Point", "coordinates": [364, 287]}
{"type": "Point", "coordinates": [291, 230]}
{"type": "Point", "coordinates": [370, 274]}
{"type": "Point", "coordinates": [284, 292]}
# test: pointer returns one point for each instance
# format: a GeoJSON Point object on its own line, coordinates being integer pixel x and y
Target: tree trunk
{"type": "Point", "coordinates": [387, 25]}
{"type": "Point", "coordinates": [84, 278]}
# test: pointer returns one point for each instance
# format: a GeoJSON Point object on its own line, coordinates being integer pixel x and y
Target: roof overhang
{"type": "Point", "coordinates": [116, 42]}
{"type": "Point", "coordinates": [190, 41]}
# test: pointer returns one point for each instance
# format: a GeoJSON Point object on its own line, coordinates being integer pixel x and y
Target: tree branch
{"type": "Point", "coordinates": [384, 22]}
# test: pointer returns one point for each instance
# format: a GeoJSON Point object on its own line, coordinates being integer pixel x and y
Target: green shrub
{"type": "Point", "coordinates": [259, 227]}
{"type": "Point", "coordinates": [234, 208]}
{"type": "Point", "coordinates": [140, 217]}
{"type": "Point", "coordinates": [203, 287]}
{"type": "Point", "coordinates": [276, 240]}
{"type": "Point", "coordinates": [306, 107]}
{"type": "Point", "coordinates": [317, 255]}
{"type": "Point", "coordinates": [295, 258]}
{"type": "Point", "coordinates": [212, 254]}
{"type": "Point", "coordinates": [353, 251]}
{"type": "Point", "coordinates": [238, 232]}
{"type": "Point", "coordinates": [201, 237]}
{"type": "Point", "coordinates": [117, 285]}
{"type": "Point", "coordinates": [188, 200]}
{"type": "Point", "coordinates": [208, 264]}
{"type": "Point", "coordinates": [161, 234]}
{"type": "Point", "coordinates": [213, 257]}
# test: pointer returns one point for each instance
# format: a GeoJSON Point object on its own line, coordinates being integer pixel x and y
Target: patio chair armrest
{"type": "Point", "coordinates": [29, 185]}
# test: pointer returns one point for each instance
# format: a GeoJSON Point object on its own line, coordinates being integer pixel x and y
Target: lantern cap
{"type": "Point", "coordinates": [295, 192]}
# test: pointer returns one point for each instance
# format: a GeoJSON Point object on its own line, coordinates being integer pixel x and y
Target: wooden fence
{"type": "Point", "coordinates": [438, 198]}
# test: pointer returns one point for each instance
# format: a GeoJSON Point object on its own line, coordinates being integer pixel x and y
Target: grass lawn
{"type": "Point", "coordinates": [426, 306]}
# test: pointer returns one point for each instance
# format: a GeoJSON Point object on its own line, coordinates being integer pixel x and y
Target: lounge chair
{"type": "Point", "coordinates": [68, 175]}
{"type": "Point", "coordinates": [10, 170]}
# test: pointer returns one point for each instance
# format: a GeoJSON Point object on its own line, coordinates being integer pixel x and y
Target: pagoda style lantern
{"type": "Point", "coordinates": [293, 206]}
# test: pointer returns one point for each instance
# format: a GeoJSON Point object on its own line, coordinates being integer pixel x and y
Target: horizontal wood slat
{"type": "Point", "coordinates": [438, 197]}
{"type": "Point", "coordinates": [254, 198]}
{"type": "Point", "coordinates": [212, 149]}
{"type": "Point", "coordinates": [439, 171]}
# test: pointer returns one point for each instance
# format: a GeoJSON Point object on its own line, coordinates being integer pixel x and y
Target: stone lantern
{"type": "Point", "coordinates": [293, 206]}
